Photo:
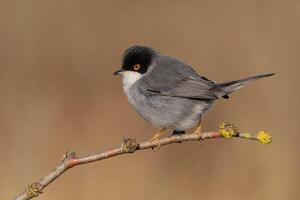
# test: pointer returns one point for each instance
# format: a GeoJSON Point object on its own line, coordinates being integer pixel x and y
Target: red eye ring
{"type": "Point", "coordinates": [136, 67]}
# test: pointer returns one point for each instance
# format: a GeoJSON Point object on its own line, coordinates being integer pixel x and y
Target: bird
{"type": "Point", "coordinates": [168, 93]}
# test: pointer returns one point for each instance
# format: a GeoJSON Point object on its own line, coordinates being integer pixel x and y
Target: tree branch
{"type": "Point", "coordinates": [129, 145]}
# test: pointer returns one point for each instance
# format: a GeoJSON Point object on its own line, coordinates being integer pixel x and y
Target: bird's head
{"type": "Point", "coordinates": [136, 60]}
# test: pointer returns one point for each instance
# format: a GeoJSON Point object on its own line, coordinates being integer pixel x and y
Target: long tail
{"type": "Point", "coordinates": [223, 89]}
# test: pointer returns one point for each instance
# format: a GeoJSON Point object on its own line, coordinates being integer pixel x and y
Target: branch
{"type": "Point", "coordinates": [69, 160]}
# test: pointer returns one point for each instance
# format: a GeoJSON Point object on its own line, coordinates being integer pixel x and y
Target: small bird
{"type": "Point", "coordinates": [167, 92]}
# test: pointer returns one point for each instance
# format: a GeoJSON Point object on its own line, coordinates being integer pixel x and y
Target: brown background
{"type": "Point", "coordinates": [58, 93]}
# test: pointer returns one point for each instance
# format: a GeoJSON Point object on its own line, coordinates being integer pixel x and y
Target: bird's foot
{"type": "Point", "coordinates": [198, 131]}
{"type": "Point", "coordinates": [157, 136]}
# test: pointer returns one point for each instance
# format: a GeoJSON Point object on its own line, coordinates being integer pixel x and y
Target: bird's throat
{"type": "Point", "coordinates": [129, 78]}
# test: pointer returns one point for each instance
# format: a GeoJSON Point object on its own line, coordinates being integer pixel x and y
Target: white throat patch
{"type": "Point", "coordinates": [129, 78]}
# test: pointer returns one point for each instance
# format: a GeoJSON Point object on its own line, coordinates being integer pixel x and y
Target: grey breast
{"type": "Point", "coordinates": [171, 94]}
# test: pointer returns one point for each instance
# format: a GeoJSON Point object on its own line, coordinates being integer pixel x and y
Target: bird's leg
{"type": "Point", "coordinates": [198, 130]}
{"type": "Point", "coordinates": [157, 135]}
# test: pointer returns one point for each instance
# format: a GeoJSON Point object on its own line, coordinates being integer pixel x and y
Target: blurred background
{"type": "Point", "coordinates": [58, 94]}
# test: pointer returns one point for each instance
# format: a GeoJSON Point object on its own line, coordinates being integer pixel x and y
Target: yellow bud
{"type": "Point", "coordinates": [247, 135]}
{"type": "Point", "coordinates": [227, 130]}
{"type": "Point", "coordinates": [263, 137]}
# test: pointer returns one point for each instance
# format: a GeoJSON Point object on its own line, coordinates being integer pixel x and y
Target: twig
{"type": "Point", "coordinates": [129, 146]}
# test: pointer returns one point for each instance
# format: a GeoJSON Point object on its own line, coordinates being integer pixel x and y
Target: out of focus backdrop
{"type": "Point", "coordinates": [58, 93]}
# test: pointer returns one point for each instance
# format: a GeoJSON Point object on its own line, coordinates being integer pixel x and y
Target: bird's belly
{"type": "Point", "coordinates": [191, 119]}
{"type": "Point", "coordinates": [171, 112]}
{"type": "Point", "coordinates": [150, 112]}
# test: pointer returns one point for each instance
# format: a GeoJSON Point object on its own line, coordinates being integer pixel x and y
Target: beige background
{"type": "Point", "coordinates": [58, 93]}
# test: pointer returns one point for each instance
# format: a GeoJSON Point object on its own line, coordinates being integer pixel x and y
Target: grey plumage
{"type": "Point", "coordinates": [167, 92]}
{"type": "Point", "coordinates": [170, 77]}
{"type": "Point", "coordinates": [231, 86]}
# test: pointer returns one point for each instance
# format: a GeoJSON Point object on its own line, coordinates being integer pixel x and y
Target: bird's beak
{"type": "Point", "coordinates": [118, 72]}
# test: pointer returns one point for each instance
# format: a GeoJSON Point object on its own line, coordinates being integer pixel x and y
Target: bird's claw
{"type": "Point", "coordinates": [156, 141]}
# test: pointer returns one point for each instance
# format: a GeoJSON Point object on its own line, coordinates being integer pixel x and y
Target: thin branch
{"type": "Point", "coordinates": [129, 146]}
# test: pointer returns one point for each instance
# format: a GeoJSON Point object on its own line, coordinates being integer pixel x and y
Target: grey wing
{"type": "Point", "coordinates": [170, 77]}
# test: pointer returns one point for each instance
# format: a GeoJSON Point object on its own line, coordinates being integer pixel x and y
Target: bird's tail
{"type": "Point", "coordinates": [223, 89]}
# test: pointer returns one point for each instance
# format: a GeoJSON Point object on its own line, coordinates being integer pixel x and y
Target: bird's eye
{"type": "Point", "coordinates": [136, 67]}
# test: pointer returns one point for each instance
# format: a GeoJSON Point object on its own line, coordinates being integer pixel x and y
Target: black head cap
{"type": "Point", "coordinates": [138, 59]}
